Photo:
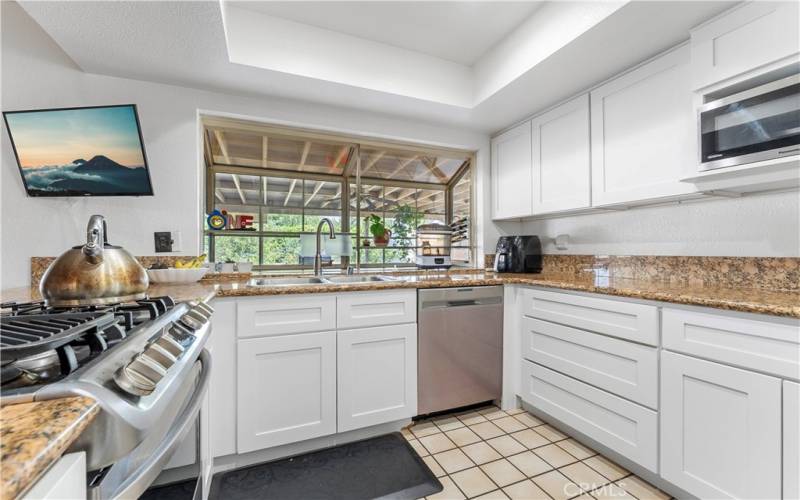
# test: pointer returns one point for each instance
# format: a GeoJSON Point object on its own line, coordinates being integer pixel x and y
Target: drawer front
{"type": "Point", "coordinates": [623, 368]}
{"type": "Point", "coordinates": [626, 320]}
{"type": "Point", "coordinates": [363, 309]}
{"type": "Point", "coordinates": [759, 345]}
{"type": "Point", "coordinates": [282, 315]}
{"type": "Point", "coordinates": [625, 427]}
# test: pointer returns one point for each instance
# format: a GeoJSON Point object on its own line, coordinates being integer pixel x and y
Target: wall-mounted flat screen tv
{"type": "Point", "coordinates": [91, 151]}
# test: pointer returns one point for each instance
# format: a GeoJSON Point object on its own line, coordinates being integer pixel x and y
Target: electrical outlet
{"type": "Point", "coordinates": [177, 243]}
{"type": "Point", "coordinates": [163, 241]}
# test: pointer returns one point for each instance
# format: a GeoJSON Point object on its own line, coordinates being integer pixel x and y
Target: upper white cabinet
{"type": "Point", "coordinates": [561, 158]}
{"type": "Point", "coordinates": [644, 133]}
{"type": "Point", "coordinates": [748, 37]}
{"type": "Point", "coordinates": [720, 429]}
{"type": "Point", "coordinates": [511, 173]}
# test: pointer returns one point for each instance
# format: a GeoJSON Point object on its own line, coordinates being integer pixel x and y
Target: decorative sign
{"type": "Point", "coordinates": [218, 220]}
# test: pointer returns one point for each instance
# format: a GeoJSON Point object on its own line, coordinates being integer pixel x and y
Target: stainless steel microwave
{"type": "Point", "coordinates": [758, 124]}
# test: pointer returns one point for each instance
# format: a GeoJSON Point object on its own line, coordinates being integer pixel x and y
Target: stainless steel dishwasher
{"type": "Point", "coordinates": [460, 355]}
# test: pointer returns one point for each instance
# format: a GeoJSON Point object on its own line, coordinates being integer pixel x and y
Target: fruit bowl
{"type": "Point", "coordinates": [173, 275]}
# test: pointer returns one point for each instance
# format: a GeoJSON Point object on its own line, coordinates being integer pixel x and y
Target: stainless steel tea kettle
{"type": "Point", "coordinates": [94, 273]}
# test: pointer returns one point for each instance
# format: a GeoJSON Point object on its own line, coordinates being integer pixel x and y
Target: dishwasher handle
{"type": "Point", "coordinates": [458, 303]}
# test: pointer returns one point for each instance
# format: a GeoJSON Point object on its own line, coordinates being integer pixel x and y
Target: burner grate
{"type": "Point", "coordinates": [27, 335]}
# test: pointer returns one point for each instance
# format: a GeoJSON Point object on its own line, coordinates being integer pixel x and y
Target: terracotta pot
{"type": "Point", "coordinates": [382, 241]}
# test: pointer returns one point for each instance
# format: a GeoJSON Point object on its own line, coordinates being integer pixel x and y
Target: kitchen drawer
{"type": "Point", "coordinates": [772, 347]}
{"type": "Point", "coordinates": [286, 314]}
{"type": "Point", "coordinates": [625, 427]}
{"type": "Point", "coordinates": [364, 309]}
{"type": "Point", "coordinates": [626, 320]}
{"type": "Point", "coordinates": [623, 368]}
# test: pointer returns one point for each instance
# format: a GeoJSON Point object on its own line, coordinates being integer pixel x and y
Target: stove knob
{"type": "Point", "coordinates": [170, 344]}
{"type": "Point", "coordinates": [160, 355]}
{"type": "Point", "coordinates": [181, 334]}
{"type": "Point", "coordinates": [202, 308]}
{"type": "Point", "coordinates": [193, 320]}
{"type": "Point", "coordinates": [147, 367]}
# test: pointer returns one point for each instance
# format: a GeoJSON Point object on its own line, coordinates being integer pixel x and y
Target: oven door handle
{"type": "Point", "coordinates": [138, 482]}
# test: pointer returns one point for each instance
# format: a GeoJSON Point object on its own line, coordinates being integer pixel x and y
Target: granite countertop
{"type": "Point", "coordinates": [754, 300]}
{"type": "Point", "coordinates": [34, 435]}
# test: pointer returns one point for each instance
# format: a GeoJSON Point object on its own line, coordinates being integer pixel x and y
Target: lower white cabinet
{"type": "Point", "coordinates": [64, 480]}
{"type": "Point", "coordinates": [625, 427]}
{"type": "Point", "coordinates": [286, 389]}
{"type": "Point", "coordinates": [791, 440]}
{"type": "Point", "coordinates": [720, 429]}
{"type": "Point", "coordinates": [377, 375]}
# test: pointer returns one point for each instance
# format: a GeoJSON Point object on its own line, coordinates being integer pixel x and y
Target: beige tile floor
{"type": "Point", "coordinates": [491, 454]}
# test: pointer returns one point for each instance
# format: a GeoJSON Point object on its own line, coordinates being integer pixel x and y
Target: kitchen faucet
{"type": "Point", "coordinates": [318, 255]}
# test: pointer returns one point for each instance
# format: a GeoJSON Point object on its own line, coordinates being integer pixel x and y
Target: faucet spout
{"type": "Point", "coordinates": [318, 254]}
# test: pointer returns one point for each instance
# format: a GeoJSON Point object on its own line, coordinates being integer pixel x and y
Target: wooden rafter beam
{"type": "Point", "coordinates": [373, 161]}
{"type": "Point", "coordinates": [314, 193]}
{"type": "Point", "coordinates": [304, 156]}
{"type": "Point", "coordinates": [403, 164]}
{"type": "Point", "coordinates": [239, 188]}
{"type": "Point", "coordinates": [335, 197]}
{"type": "Point", "coordinates": [432, 168]}
{"type": "Point", "coordinates": [340, 158]}
{"type": "Point", "coordinates": [291, 190]}
{"type": "Point", "coordinates": [222, 146]}
{"type": "Point", "coordinates": [219, 195]}
{"type": "Point", "coordinates": [264, 150]}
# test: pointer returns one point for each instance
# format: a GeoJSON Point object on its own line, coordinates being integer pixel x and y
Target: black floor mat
{"type": "Point", "coordinates": [183, 490]}
{"type": "Point", "coordinates": [381, 467]}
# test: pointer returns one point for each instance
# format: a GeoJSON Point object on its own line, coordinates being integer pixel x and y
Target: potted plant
{"type": "Point", "coordinates": [378, 229]}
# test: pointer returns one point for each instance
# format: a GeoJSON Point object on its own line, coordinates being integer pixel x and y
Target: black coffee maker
{"type": "Point", "coordinates": [518, 254]}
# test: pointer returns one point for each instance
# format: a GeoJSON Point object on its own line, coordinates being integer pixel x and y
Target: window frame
{"type": "Point", "coordinates": [351, 175]}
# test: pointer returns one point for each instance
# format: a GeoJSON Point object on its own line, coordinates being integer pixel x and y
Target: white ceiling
{"type": "Point", "coordinates": [459, 31]}
{"type": "Point", "coordinates": [185, 43]}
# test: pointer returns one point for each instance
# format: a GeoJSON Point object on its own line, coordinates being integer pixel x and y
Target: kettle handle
{"type": "Point", "coordinates": [95, 238]}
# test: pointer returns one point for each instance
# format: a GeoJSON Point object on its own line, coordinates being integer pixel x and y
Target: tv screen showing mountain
{"type": "Point", "coordinates": [93, 151]}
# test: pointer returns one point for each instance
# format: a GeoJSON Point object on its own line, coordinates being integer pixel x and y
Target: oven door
{"type": "Point", "coordinates": [758, 124]}
{"type": "Point", "coordinates": [132, 475]}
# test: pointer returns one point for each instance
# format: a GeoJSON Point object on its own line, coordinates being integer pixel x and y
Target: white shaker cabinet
{"type": "Point", "coordinates": [377, 375]}
{"type": "Point", "coordinates": [791, 440]}
{"type": "Point", "coordinates": [64, 480]}
{"type": "Point", "coordinates": [643, 129]}
{"type": "Point", "coordinates": [561, 158]}
{"type": "Point", "coordinates": [720, 429]}
{"type": "Point", "coordinates": [745, 38]}
{"type": "Point", "coordinates": [511, 173]}
{"type": "Point", "coordinates": [286, 389]}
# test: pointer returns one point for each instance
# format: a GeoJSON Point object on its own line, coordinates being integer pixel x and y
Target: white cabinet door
{"type": "Point", "coordinates": [363, 309]}
{"type": "Point", "coordinates": [644, 133]}
{"type": "Point", "coordinates": [561, 158]}
{"type": "Point", "coordinates": [623, 368]}
{"type": "Point", "coordinates": [791, 440]}
{"type": "Point", "coordinates": [720, 429]}
{"type": "Point", "coordinates": [511, 173]}
{"type": "Point", "coordinates": [286, 389]}
{"type": "Point", "coordinates": [625, 427]}
{"type": "Point", "coordinates": [377, 375]}
{"type": "Point", "coordinates": [747, 37]}
{"type": "Point", "coordinates": [222, 347]}
{"type": "Point", "coordinates": [280, 315]}
{"type": "Point", "coordinates": [64, 480]}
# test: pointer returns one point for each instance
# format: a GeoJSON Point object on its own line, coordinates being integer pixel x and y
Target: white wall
{"type": "Point", "coordinates": [37, 74]}
{"type": "Point", "coordinates": [766, 225]}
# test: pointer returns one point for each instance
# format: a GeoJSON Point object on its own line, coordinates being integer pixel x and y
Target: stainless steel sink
{"type": "Point", "coordinates": [359, 279]}
{"type": "Point", "coordinates": [328, 280]}
{"type": "Point", "coordinates": [286, 281]}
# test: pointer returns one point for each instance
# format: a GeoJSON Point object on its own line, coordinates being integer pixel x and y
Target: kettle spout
{"type": "Point", "coordinates": [93, 249]}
